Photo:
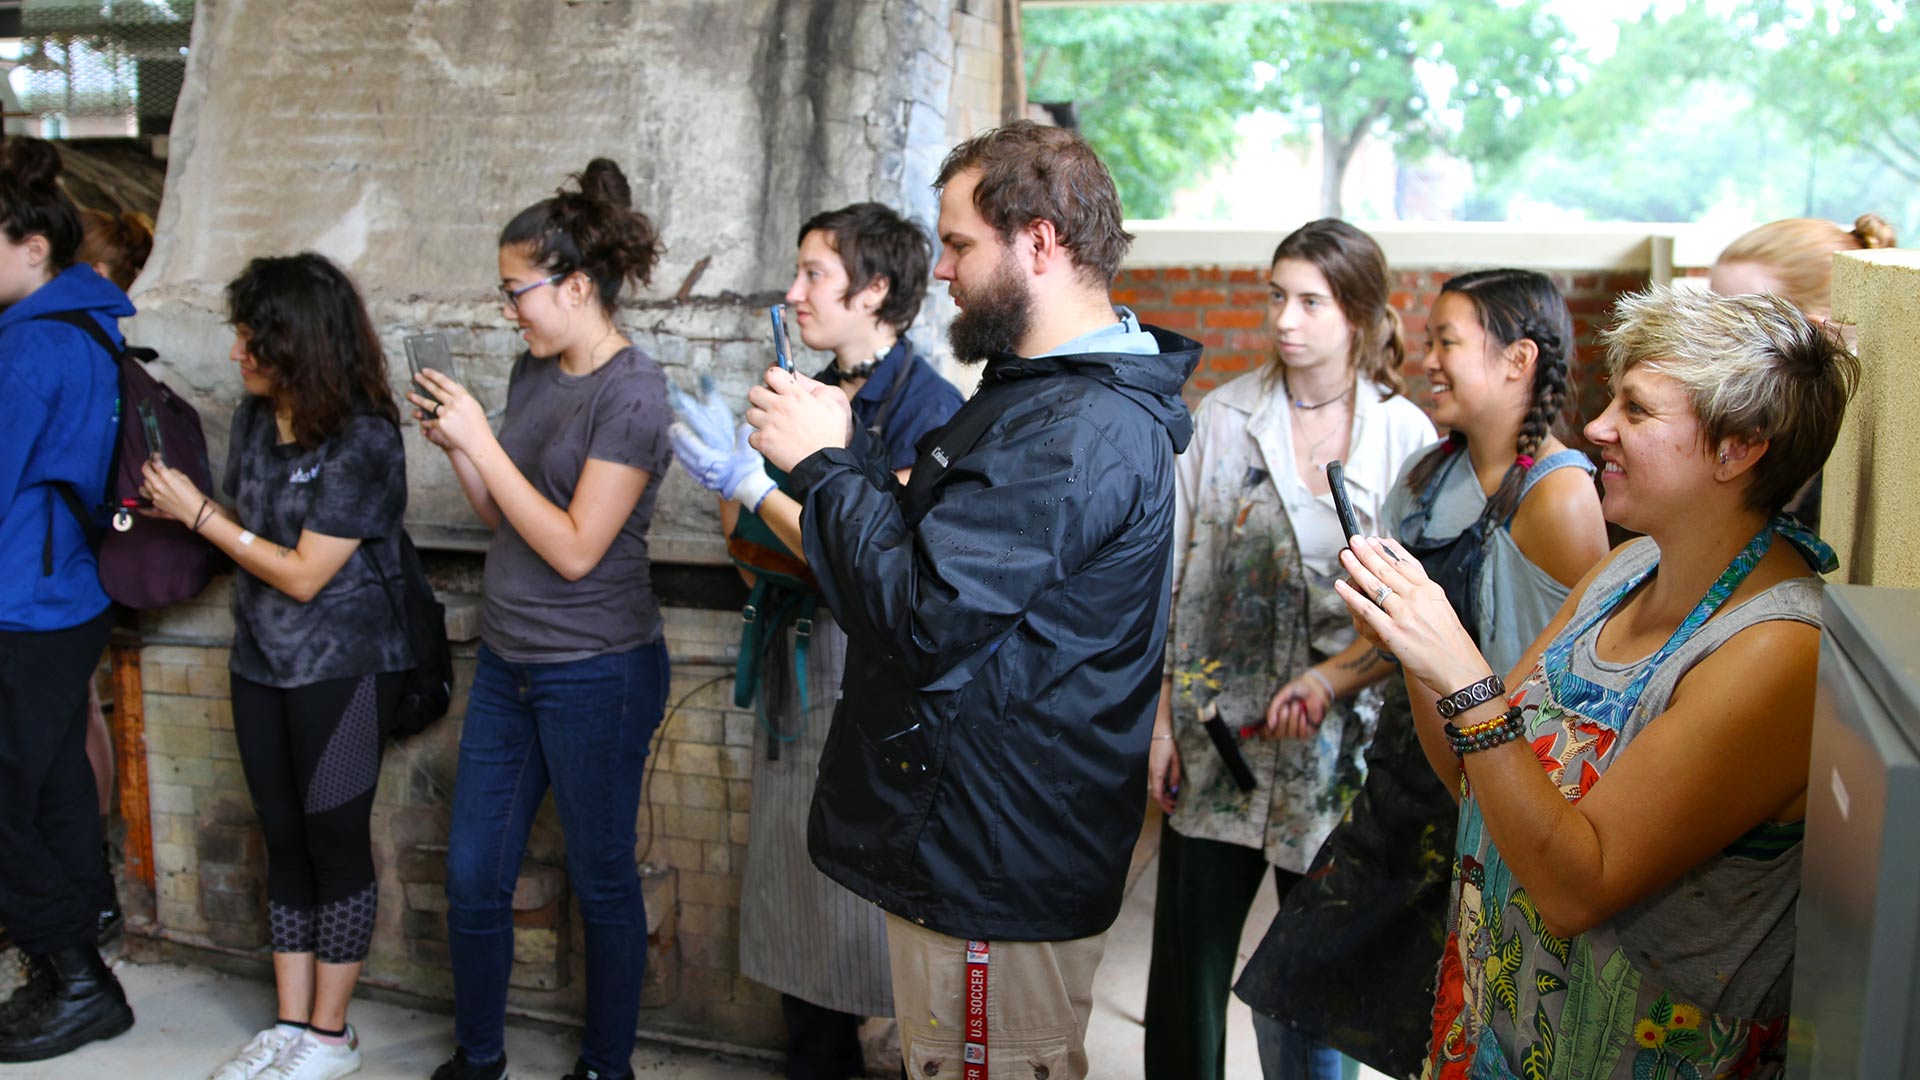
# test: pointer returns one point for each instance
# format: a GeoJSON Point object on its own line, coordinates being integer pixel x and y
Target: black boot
{"type": "Point", "coordinates": [86, 1003]}
{"type": "Point", "coordinates": [37, 987]}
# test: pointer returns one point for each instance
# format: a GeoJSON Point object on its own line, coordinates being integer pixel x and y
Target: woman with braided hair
{"type": "Point", "coordinates": [1505, 516]}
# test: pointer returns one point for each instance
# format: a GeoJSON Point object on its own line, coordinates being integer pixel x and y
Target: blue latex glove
{"type": "Point", "coordinates": [734, 471]}
{"type": "Point", "coordinates": [707, 417]}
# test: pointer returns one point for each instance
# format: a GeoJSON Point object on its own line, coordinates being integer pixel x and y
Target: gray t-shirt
{"type": "Point", "coordinates": [353, 486]}
{"type": "Point", "coordinates": [554, 423]}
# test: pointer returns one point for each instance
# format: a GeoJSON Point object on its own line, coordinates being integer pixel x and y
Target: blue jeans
{"type": "Point", "coordinates": [1285, 1054]}
{"type": "Point", "coordinates": [583, 727]}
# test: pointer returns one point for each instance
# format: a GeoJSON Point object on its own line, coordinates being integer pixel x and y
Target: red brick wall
{"type": "Point", "coordinates": [1225, 309]}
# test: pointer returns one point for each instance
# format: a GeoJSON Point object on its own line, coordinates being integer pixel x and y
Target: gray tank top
{"type": "Point", "coordinates": [1735, 910]}
{"type": "Point", "coordinates": [1693, 980]}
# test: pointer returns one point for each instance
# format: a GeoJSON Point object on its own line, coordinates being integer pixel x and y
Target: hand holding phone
{"type": "Point", "coordinates": [1342, 505]}
{"type": "Point", "coordinates": [782, 347]}
{"type": "Point", "coordinates": [430, 351]}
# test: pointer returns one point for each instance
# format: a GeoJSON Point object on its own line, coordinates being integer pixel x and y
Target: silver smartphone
{"type": "Point", "coordinates": [782, 347]}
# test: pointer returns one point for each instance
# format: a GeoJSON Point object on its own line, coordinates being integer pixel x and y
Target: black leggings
{"type": "Point", "coordinates": [312, 758]}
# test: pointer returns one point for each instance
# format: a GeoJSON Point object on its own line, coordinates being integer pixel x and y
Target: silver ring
{"type": "Point", "coordinates": [1380, 598]}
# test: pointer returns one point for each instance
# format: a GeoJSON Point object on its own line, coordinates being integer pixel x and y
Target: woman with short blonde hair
{"type": "Point", "coordinates": [1628, 855]}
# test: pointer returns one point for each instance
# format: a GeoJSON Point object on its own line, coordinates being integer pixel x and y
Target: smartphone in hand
{"type": "Point", "coordinates": [429, 351]}
{"type": "Point", "coordinates": [782, 347]}
{"type": "Point", "coordinates": [1342, 505]}
{"type": "Point", "coordinates": [150, 427]}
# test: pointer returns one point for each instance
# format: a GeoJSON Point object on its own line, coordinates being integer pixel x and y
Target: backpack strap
{"type": "Point", "coordinates": [87, 324]}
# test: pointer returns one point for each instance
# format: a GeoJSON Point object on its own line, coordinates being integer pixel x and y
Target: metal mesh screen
{"type": "Point", "coordinates": [111, 67]}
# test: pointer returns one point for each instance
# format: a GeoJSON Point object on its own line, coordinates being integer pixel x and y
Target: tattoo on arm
{"type": "Point", "coordinates": [282, 551]}
{"type": "Point", "coordinates": [1384, 657]}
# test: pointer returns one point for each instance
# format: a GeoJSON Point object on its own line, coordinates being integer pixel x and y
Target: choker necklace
{"type": "Point", "coordinates": [1309, 407]}
{"type": "Point", "coordinates": [863, 370]}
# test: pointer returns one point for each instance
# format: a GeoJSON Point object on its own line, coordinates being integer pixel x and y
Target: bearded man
{"type": "Point", "coordinates": [1006, 612]}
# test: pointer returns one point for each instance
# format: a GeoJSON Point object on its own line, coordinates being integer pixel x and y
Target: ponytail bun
{"type": "Point", "coordinates": [593, 229]}
{"type": "Point", "coordinates": [1873, 231]}
{"type": "Point", "coordinates": [31, 202]}
{"type": "Point", "coordinates": [602, 181]}
{"type": "Point", "coordinates": [29, 163]}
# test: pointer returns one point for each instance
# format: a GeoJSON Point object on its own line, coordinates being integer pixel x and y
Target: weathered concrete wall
{"type": "Point", "coordinates": [398, 137]}
{"type": "Point", "coordinates": [1870, 506]}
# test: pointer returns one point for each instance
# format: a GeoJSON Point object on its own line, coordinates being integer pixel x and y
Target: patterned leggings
{"type": "Point", "coordinates": [312, 759]}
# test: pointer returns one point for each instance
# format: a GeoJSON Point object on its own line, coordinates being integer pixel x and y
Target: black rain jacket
{"type": "Point", "coordinates": [985, 774]}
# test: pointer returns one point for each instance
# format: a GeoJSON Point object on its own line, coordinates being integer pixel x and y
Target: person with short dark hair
{"type": "Point", "coordinates": [1633, 794]}
{"type": "Point", "coordinates": [317, 474]}
{"type": "Point", "coordinates": [860, 276]}
{"type": "Point", "coordinates": [1006, 614]}
{"type": "Point", "coordinates": [58, 401]}
{"type": "Point", "coordinates": [571, 680]}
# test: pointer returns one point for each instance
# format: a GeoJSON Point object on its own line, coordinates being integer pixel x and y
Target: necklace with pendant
{"type": "Point", "coordinates": [1313, 449]}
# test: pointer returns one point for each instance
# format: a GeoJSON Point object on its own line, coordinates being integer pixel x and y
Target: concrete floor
{"type": "Point", "coordinates": [192, 1019]}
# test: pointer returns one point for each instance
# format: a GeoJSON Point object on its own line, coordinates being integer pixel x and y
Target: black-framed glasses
{"type": "Point", "coordinates": [511, 296]}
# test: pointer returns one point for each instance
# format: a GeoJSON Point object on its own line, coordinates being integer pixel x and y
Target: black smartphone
{"type": "Point", "coordinates": [1342, 505]}
{"type": "Point", "coordinates": [1228, 746]}
{"type": "Point", "coordinates": [429, 351]}
{"type": "Point", "coordinates": [782, 347]}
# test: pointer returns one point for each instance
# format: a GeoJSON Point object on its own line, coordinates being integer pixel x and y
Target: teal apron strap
{"type": "Point", "coordinates": [746, 668]}
{"type": "Point", "coordinates": [802, 645]}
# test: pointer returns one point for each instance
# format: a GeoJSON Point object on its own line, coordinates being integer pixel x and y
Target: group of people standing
{"type": "Point", "coordinates": [1464, 771]}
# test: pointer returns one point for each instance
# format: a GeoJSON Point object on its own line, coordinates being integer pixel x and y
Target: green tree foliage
{"type": "Point", "coordinates": [1775, 107]}
{"type": "Point", "coordinates": [1469, 78]}
{"type": "Point", "coordinates": [1159, 87]}
{"type": "Point", "coordinates": [1846, 74]}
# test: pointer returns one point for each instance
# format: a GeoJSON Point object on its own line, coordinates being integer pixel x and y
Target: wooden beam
{"type": "Point", "coordinates": [130, 747]}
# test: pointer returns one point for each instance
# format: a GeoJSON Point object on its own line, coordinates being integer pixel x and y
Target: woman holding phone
{"type": "Point", "coordinates": [860, 275]}
{"type": "Point", "coordinates": [317, 474]}
{"type": "Point", "coordinates": [1627, 862]}
{"type": "Point", "coordinates": [1256, 537]}
{"type": "Point", "coordinates": [572, 674]}
{"type": "Point", "coordinates": [1505, 517]}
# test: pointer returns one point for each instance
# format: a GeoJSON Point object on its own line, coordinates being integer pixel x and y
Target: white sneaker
{"type": "Point", "coordinates": [253, 1059]}
{"type": "Point", "coordinates": [308, 1058]}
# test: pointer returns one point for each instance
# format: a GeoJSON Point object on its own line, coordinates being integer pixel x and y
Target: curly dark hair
{"type": "Point", "coordinates": [308, 330]}
{"type": "Point", "coordinates": [594, 229]}
{"type": "Point", "coordinates": [876, 243]}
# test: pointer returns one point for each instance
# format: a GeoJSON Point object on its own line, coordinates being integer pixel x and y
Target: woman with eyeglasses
{"type": "Point", "coordinates": [572, 674]}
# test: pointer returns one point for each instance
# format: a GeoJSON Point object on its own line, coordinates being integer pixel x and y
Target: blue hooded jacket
{"type": "Point", "coordinates": [59, 406]}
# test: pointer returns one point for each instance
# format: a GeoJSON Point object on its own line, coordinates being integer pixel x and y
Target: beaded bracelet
{"type": "Point", "coordinates": [1470, 695]}
{"type": "Point", "coordinates": [1508, 727]}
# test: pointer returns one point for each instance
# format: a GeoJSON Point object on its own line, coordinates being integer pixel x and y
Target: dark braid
{"type": "Point", "coordinates": [1516, 305]}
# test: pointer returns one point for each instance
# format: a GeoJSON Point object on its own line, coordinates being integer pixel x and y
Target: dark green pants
{"type": "Point", "coordinates": [1204, 892]}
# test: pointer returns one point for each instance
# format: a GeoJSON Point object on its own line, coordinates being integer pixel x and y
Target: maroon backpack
{"type": "Point", "coordinates": [144, 562]}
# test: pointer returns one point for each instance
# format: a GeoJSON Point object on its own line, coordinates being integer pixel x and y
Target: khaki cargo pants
{"type": "Point", "coordinates": [1039, 999]}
